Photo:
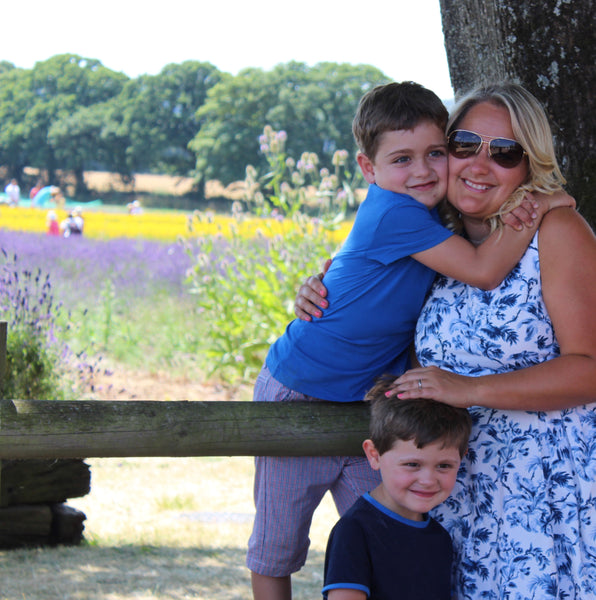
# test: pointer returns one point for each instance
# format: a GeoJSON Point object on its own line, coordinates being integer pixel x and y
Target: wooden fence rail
{"type": "Point", "coordinates": [89, 429]}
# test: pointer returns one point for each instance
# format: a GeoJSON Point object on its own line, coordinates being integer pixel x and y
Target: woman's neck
{"type": "Point", "coordinates": [476, 230]}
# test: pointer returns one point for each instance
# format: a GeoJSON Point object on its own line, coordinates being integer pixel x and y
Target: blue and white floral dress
{"type": "Point", "coordinates": [523, 512]}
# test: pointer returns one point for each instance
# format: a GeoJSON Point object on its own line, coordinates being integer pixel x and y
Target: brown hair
{"type": "Point", "coordinates": [391, 107]}
{"type": "Point", "coordinates": [423, 420]}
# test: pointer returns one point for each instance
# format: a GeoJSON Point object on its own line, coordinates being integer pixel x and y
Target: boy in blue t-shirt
{"type": "Point", "coordinates": [386, 546]}
{"type": "Point", "coordinates": [376, 287]}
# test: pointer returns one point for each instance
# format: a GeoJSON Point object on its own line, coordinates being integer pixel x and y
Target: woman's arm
{"type": "Point", "coordinates": [567, 249]}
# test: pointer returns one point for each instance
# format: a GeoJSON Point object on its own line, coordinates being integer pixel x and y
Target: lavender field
{"type": "Point", "coordinates": [126, 299]}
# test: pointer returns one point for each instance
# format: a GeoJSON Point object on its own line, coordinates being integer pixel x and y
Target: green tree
{"type": "Point", "coordinates": [160, 114]}
{"type": "Point", "coordinates": [16, 99]}
{"type": "Point", "coordinates": [314, 105]}
{"type": "Point", "coordinates": [79, 142]}
{"type": "Point", "coordinates": [56, 89]}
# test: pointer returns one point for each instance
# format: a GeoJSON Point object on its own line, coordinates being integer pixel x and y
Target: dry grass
{"type": "Point", "coordinates": [157, 529]}
{"type": "Point", "coordinates": [102, 182]}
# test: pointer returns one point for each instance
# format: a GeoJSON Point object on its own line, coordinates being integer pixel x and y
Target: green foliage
{"type": "Point", "coordinates": [71, 113]}
{"type": "Point", "coordinates": [245, 289]}
{"type": "Point", "coordinates": [246, 286]}
{"type": "Point", "coordinates": [31, 367]}
{"type": "Point", "coordinates": [159, 114]}
{"type": "Point", "coordinates": [32, 101]}
{"type": "Point", "coordinates": [314, 105]}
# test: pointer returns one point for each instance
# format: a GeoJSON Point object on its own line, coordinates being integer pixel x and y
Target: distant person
{"type": "Point", "coordinates": [73, 224]}
{"type": "Point", "coordinates": [13, 192]}
{"type": "Point", "coordinates": [52, 223]}
{"type": "Point", "coordinates": [33, 191]}
{"type": "Point", "coordinates": [387, 542]}
{"type": "Point", "coordinates": [47, 194]}
{"type": "Point", "coordinates": [134, 208]}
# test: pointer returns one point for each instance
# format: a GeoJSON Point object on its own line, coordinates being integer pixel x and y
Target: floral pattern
{"type": "Point", "coordinates": [523, 512]}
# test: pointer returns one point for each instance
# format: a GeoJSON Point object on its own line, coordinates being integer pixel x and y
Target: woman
{"type": "Point", "coordinates": [523, 359]}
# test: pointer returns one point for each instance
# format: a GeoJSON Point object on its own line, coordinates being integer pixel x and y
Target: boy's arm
{"type": "Point", "coordinates": [486, 265]}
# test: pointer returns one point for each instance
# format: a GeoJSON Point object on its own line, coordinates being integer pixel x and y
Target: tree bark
{"type": "Point", "coordinates": [549, 46]}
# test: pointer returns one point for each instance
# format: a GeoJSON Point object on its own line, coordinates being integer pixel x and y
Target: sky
{"type": "Point", "coordinates": [402, 38]}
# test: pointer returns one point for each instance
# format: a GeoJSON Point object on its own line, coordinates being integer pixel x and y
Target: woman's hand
{"type": "Point", "coordinates": [310, 300]}
{"type": "Point", "coordinates": [437, 384]}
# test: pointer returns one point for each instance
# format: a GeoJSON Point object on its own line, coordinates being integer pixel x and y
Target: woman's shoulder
{"type": "Point", "coordinates": [564, 226]}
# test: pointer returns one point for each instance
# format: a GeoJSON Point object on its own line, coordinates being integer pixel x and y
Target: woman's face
{"type": "Point", "coordinates": [477, 185]}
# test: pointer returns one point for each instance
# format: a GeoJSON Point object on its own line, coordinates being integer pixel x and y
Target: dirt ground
{"type": "Point", "coordinates": [137, 385]}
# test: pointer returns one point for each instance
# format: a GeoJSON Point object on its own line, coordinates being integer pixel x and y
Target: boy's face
{"type": "Point", "coordinates": [410, 161]}
{"type": "Point", "coordinates": [414, 479]}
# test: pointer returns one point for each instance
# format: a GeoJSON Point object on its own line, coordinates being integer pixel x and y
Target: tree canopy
{"type": "Point", "coordinates": [72, 113]}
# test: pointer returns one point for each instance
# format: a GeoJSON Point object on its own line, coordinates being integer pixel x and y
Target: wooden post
{"type": "Point", "coordinates": [3, 336]}
{"type": "Point", "coordinates": [3, 343]}
{"type": "Point", "coordinates": [87, 429]}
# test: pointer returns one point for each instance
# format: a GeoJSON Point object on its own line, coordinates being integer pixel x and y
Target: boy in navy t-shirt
{"type": "Point", "coordinates": [386, 546]}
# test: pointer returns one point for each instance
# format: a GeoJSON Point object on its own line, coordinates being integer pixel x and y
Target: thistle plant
{"type": "Point", "coordinates": [245, 286]}
{"type": "Point", "coordinates": [291, 186]}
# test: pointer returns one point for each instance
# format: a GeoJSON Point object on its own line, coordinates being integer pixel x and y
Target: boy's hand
{"type": "Point", "coordinates": [524, 215]}
{"type": "Point", "coordinates": [537, 205]}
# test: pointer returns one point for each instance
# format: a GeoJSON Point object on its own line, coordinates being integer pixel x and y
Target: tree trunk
{"type": "Point", "coordinates": [549, 47]}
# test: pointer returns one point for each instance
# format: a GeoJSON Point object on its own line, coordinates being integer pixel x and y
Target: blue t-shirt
{"type": "Point", "coordinates": [375, 291]}
{"type": "Point", "coordinates": [376, 551]}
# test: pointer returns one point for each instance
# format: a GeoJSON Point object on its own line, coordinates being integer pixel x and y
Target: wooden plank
{"type": "Point", "coordinates": [86, 429]}
{"type": "Point", "coordinates": [3, 342]}
{"type": "Point", "coordinates": [3, 352]}
{"type": "Point", "coordinates": [38, 480]}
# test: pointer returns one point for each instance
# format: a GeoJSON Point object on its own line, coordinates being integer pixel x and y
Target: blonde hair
{"type": "Point", "coordinates": [531, 129]}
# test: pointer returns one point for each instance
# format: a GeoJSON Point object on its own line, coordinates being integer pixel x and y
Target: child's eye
{"type": "Point", "coordinates": [445, 466]}
{"type": "Point", "coordinates": [401, 159]}
{"type": "Point", "coordinates": [438, 153]}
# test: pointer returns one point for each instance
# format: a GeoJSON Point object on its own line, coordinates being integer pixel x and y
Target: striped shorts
{"type": "Point", "coordinates": [287, 491]}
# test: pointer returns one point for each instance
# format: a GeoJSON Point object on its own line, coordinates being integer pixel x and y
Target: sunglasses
{"type": "Point", "coordinates": [506, 153]}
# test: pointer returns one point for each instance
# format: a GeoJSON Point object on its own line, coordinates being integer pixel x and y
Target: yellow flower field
{"type": "Point", "coordinates": [156, 225]}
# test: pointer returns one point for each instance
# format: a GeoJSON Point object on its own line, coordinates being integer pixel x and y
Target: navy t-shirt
{"type": "Point", "coordinates": [376, 551]}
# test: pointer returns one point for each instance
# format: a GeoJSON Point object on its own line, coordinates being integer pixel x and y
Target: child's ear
{"type": "Point", "coordinates": [367, 167]}
{"type": "Point", "coordinates": [372, 454]}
